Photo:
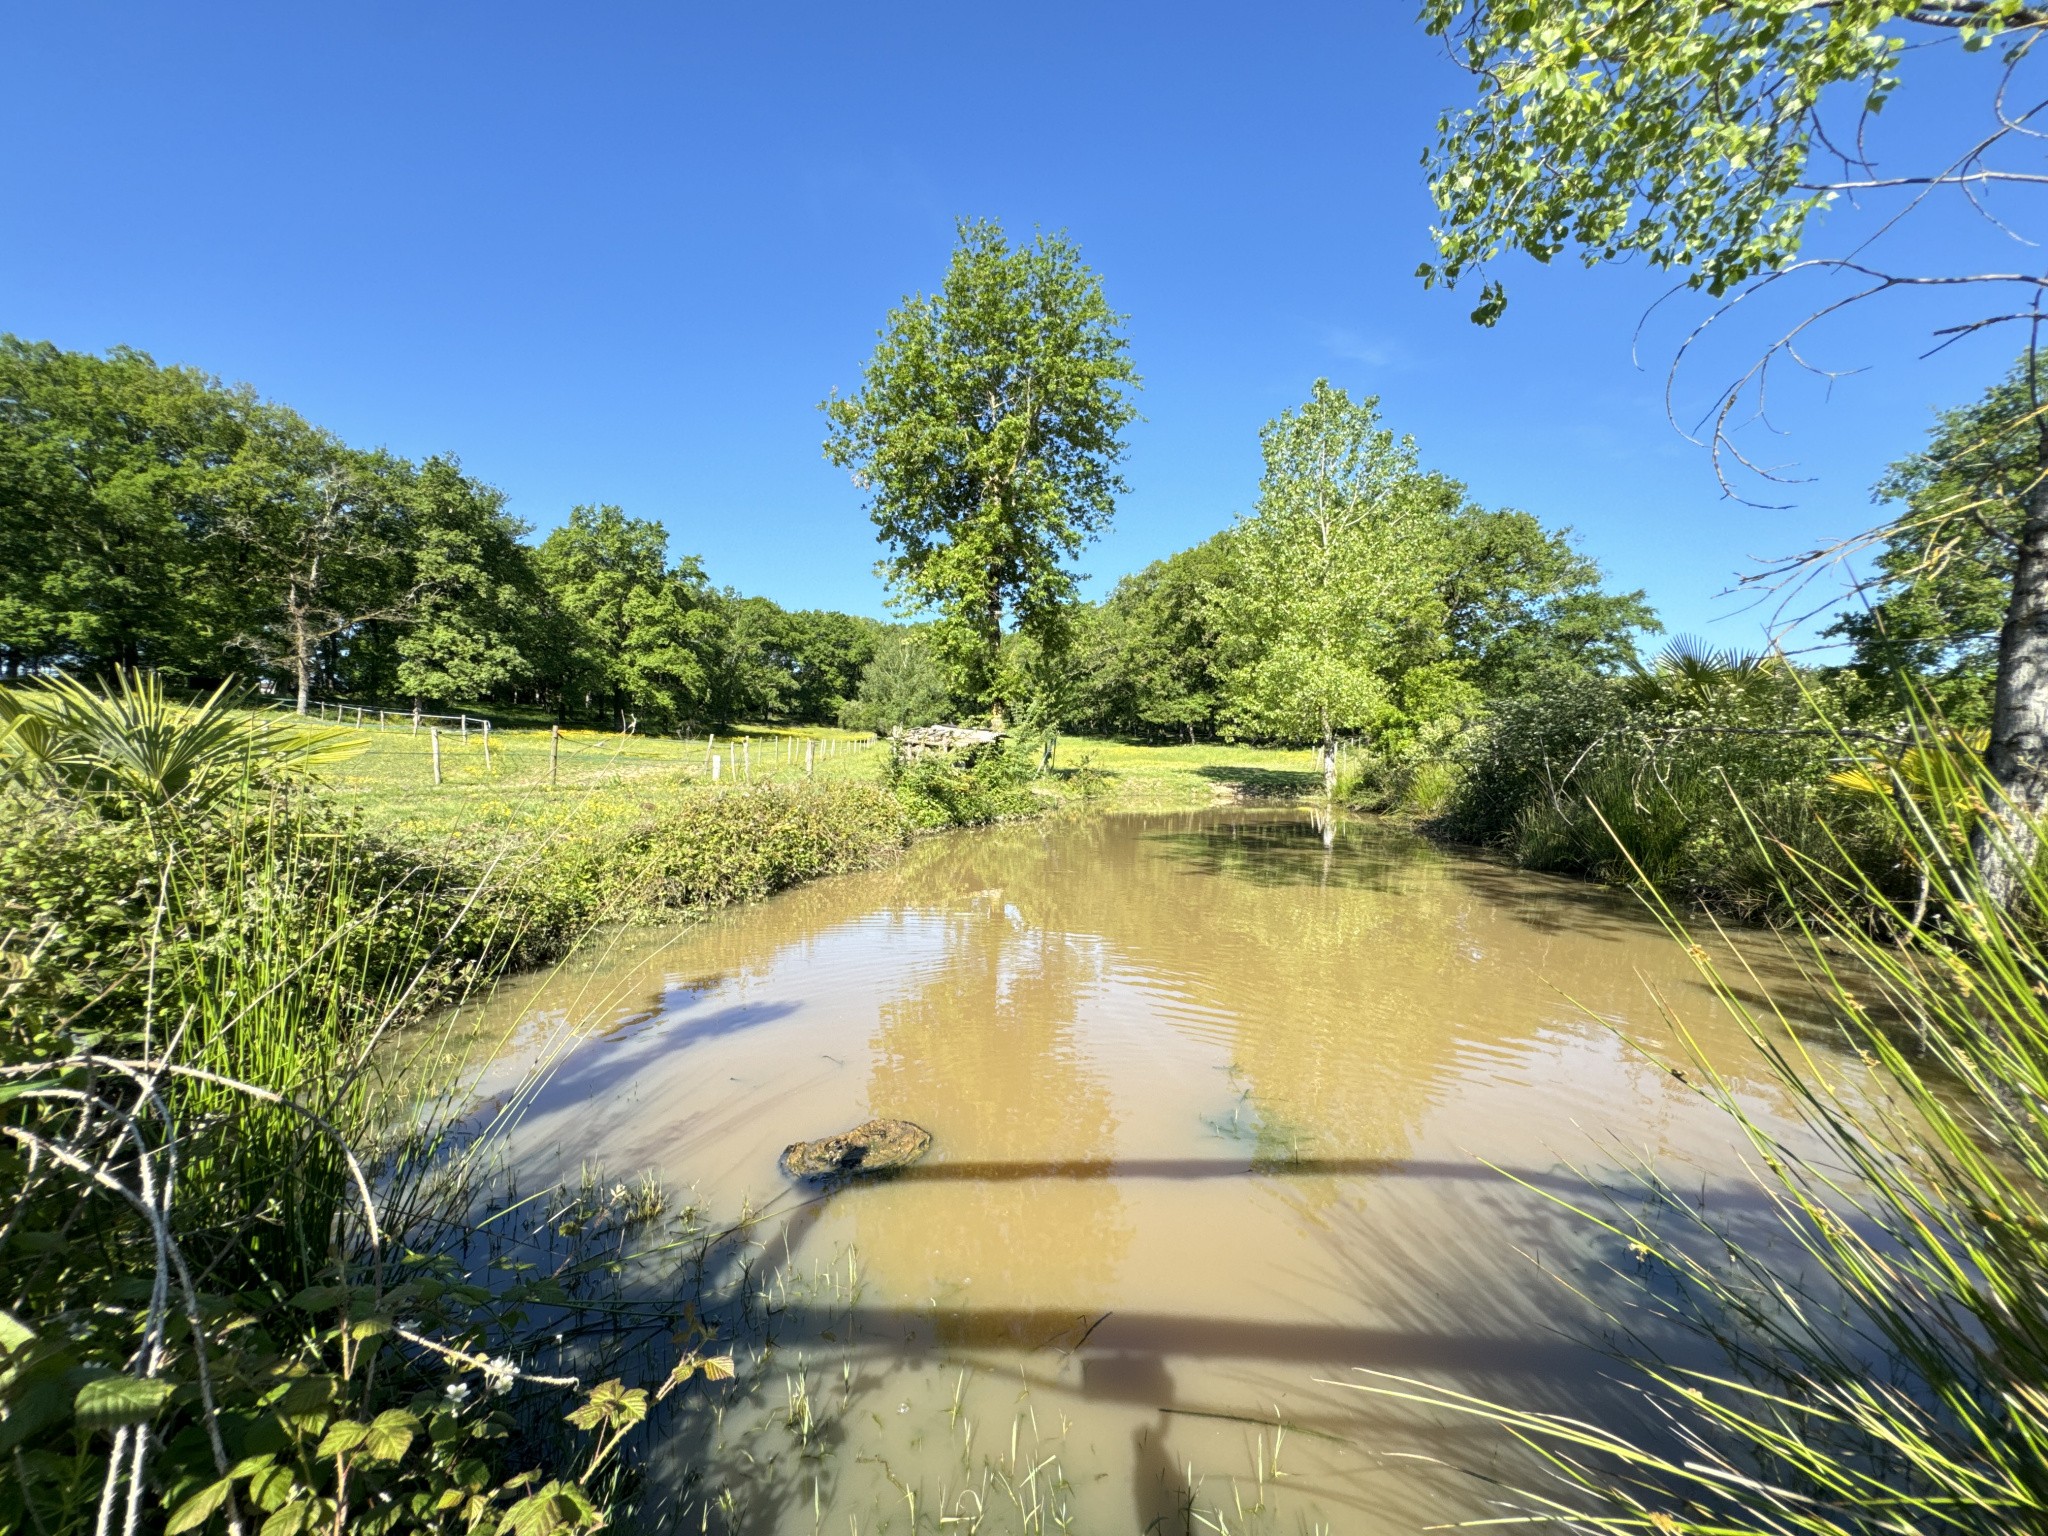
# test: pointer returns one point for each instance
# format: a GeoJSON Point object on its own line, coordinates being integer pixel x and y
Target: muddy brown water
{"type": "Point", "coordinates": [1228, 1108]}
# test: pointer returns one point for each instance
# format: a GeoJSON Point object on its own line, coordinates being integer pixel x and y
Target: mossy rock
{"type": "Point", "coordinates": [877, 1147]}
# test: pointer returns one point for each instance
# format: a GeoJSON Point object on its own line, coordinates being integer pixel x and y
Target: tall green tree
{"type": "Point", "coordinates": [903, 685]}
{"type": "Point", "coordinates": [1943, 580]}
{"type": "Point", "coordinates": [475, 593]}
{"type": "Point", "coordinates": [987, 432]}
{"type": "Point", "coordinates": [1335, 596]}
{"type": "Point", "coordinates": [637, 626]}
{"type": "Point", "coordinates": [1705, 138]}
{"type": "Point", "coordinates": [115, 476]}
{"type": "Point", "coordinates": [747, 675]}
{"type": "Point", "coordinates": [824, 654]}
{"type": "Point", "coordinates": [323, 553]}
{"type": "Point", "coordinates": [1149, 660]}
{"type": "Point", "coordinates": [1521, 605]}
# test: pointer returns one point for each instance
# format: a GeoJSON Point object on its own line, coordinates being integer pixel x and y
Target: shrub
{"type": "Point", "coordinates": [944, 791]}
{"type": "Point", "coordinates": [1670, 782]}
{"type": "Point", "coordinates": [228, 1285]}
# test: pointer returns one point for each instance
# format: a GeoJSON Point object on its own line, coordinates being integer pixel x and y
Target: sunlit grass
{"type": "Point", "coordinates": [1143, 776]}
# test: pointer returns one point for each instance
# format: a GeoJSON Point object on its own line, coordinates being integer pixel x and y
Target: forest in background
{"type": "Point", "coordinates": [1464, 664]}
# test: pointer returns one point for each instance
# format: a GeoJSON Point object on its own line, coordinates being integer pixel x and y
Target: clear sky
{"type": "Point", "coordinates": [620, 252]}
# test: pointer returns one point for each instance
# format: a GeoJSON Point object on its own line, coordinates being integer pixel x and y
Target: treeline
{"type": "Point", "coordinates": [152, 516]}
{"type": "Point", "coordinates": [1365, 598]}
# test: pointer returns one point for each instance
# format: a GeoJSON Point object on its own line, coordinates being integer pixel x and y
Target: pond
{"type": "Point", "coordinates": [1228, 1108]}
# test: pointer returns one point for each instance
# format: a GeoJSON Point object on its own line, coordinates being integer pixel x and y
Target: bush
{"type": "Point", "coordinates": [948, 791]}
{"type": "Point", "coordinates": [1623, 782]}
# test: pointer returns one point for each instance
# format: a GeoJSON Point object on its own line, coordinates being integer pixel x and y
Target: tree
{"type": "Point", "coordinates": [986, 431]}
{"type": "Point", "coordinates": [1335, 591]}
{"type": "Point", "coordinates": [903, 686]}
{"type": "Point", "coordinates": [824, 654]}
{"type": "Point", "coordinates": [1521, 605]}
{"type": "Point", "coordinates": [1944, 576]}
{"type": "Point", "coordinates": [323, 552]}
{"type": "Point", "coordinates": [746, 674]}
{"type": "Point", "coordinates": [636, 626]}
{"type": "Point", "coordinates": [474, 585]}
{"type": "Point", "coordinates": [114, 474]}
{"type": "Point", "coordinates": [1705, 138]}
{"type": "Point", "coordinates": [1150, 652]}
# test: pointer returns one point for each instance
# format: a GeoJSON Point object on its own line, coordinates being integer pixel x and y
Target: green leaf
{"type": "Point", "coordinates": [195, 1511]}
{"type": "Point", "coordinates": [556, 1507]}
{"type": "Point", "coordinates": [13, 1332]}
{"type": "Point", "coordinates": [113, 1401]}
{"type": "Point", "coordinates": [390, 1435]}
{"type": "Point", "coordinates": [271, 1487]}
{"type": "Point", "coordinates": [320, 1298]}
{"type": "Point", "coordinates": [342, 1436]}
{"type": "Point", "coordinates": [612, 1404]}
{"type": "Point", "coordinates": [297, 1516]}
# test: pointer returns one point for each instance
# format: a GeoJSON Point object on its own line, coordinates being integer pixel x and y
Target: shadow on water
{"type": "Point", "coordinates": [1564, 1183]}
{"type": "Point", "coordinates": [912, 1332]}
{"type": "Point", "coordinates": [590, 1074]}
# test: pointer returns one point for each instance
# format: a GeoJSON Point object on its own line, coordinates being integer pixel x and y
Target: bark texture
{"type": "Point", "coordinates": [2008, 838]}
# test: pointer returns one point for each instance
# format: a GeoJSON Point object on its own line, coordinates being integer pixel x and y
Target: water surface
{"type": "Point", "coordinates": [1226, 1106]}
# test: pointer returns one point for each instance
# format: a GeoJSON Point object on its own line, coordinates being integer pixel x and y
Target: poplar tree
{"type": "Point", "coordinates": [987, 432]}
{"type": "Point", "coordinates": [1335, 586]}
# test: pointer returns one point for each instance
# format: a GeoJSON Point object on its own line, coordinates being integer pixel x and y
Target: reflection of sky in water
{"type": "Point", "coordinates": [1212, 1100]}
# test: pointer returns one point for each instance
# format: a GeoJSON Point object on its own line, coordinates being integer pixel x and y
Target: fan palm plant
{"type": "Point", "coordinates": [127, 747]}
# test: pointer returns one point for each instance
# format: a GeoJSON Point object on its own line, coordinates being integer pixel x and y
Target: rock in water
{"type": "Point", "coordinates": [876, 1147]}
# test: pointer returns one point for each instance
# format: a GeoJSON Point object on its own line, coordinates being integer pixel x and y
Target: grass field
{"type": "Point", "coordinates": [506, 792]}
{"type": "Point", "coordinates": [517, 783]}
{"type": "Point", "coordinates": [1135, 776]}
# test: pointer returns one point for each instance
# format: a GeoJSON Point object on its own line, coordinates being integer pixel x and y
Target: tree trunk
{"type": "Point", "coordinates": [2006, 841]}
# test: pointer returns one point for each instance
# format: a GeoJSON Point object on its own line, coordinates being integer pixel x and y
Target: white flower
{"type": "Point", "coordinates": [458, 1391]}
{"type": "Point", "coordinates": [499, 1374]}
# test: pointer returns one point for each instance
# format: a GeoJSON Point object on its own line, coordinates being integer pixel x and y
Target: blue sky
{"type": "Point", "coordinates": [620, 252]}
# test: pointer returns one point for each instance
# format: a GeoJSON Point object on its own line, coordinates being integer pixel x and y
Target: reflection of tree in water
{"type": "Point", "coordinates": [1351, 969]}
{"type": "Point", "coordinates": [982, 1049]}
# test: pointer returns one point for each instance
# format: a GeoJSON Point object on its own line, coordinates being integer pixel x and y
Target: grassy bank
{"type": "Point", "coordinates": [239, 1287]}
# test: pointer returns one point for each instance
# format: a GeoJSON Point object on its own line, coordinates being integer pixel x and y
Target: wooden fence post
{"type": "Point", "coordinates": [714, 767]}
{"type": "Point", "coordinates": [434, 741]}
{"type": "Point", "coordinates": [747, 747]}
{"type": "Point", "coordinates": [487, 746]}
{"type": "Point", "coordinates": [809, 747]}
{"type": "Point", "coordinates": [464, 719]}
{"type": "Point", "coordinates": [415, 717]}
{"type": "Point", "coordinates": [554, 753]}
